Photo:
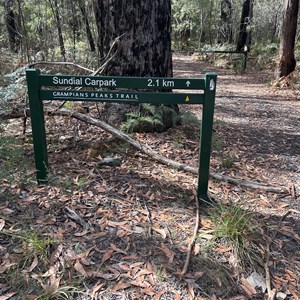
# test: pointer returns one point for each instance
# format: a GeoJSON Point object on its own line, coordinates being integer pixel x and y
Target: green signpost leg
{"type": "Point", "coordinates": [206, 135]}
{"type": "Point", "coordinates": [38, 125]}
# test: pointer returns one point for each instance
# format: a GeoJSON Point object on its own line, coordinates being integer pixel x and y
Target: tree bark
{"type": "Point", "coordinates": [87, 26]}
{"type": "Point", "coordinates": [244, 39]}
{"type": "Point", "coordinates": [144, 28]}
{"type": "Point", "coordinates": [55, 11]}
{"type": "Point", "coordinates": [11, 26]}
{"type": "Point", "coordinates": [287, 62]}
{"type": "Point", "coordinates": [225, 30]}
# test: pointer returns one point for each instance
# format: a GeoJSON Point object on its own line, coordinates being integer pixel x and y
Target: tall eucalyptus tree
{"type": "Point", "coordinates": [144, 31]}
{"type": "Point", "coordinates": [244, 38]}
{"type": "Point", "coordinates": [11, 25]}
{"type": "Point", "coordinates": [287, 61]}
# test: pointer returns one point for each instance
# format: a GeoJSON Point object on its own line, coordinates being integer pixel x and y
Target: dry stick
{"type": "Point", "coordinates": [171, 163]}
{"type": "Point", "coordinates": [192, 242]}
{"type": "Point", "coordinates": [60, 63]}
{"type": "Point", "coordinates": [100, 70]}
{"type": "Point", "coordinates": [147, 150]}
{"type": "Point", "coordinates": [272, 292]}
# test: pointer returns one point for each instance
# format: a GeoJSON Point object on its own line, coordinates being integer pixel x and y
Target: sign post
{"type": "Point", "coordinates": [121, 90]}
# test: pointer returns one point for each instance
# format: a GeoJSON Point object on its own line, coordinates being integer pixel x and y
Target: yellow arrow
{"type": "Point", "coordinates": [187, 99]}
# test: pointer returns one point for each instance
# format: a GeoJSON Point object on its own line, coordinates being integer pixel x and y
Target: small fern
{"type": "Point", "coordinates": [148, 118]}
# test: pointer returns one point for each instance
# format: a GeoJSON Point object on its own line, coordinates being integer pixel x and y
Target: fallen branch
{"type": "Point", "coordinates": [272, 292]}
{"type": "Point", "coordinates": [57, 63]}
{"type": "Point", "coordinates": [147, 150]}
{"type": "Point", "coordinates": [192, 242]}
{"type": "Point", "coordinates": [166, 161]}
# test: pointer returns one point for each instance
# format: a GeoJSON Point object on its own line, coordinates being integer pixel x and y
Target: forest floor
{"type": "Point", "coordinates": [123, 232]}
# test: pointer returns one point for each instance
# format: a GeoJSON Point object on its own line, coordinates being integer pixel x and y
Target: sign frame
{"type": "Point", "coordinates": [117, 89]}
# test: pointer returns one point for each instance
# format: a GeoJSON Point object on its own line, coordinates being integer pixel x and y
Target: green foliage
{"type": "Point", "coordinates": [62, 293]}
{"type": "Point", "coordinates": [36, 245]}
{"type": "Point", "coordinates": [216, 142]}
{"type": "Point", "coordinates": [238, 228]}
{"type": "Point", "coordinates": [266, 55]}
{"type": "Point", "coordinates": [265, 49]}
{"type": "Point", "coordinates": [186, 28]}
{"type": "Point", "coordinates": [227, 162]}
{"type": "Point", "coordinates": [13, 165]}
{"type": "Point", "coordinates": [219, 122]}
{"type": "Point", "coordinates": [189, 118]}
{"type": "Point", "coordinates": [148, 118]}
{"type": "Point", "coordinates": [297, 50]}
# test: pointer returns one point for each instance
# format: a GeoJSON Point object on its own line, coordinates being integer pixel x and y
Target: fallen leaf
{"type": "Point", "coordinates": [169, 253]}
{"type": "Point", "coordinates": [79, 268]}
{"type": "Point", "coordinates": [107, 255]}
{"type": "Point", "coordinates": [121, 285]}
{"type": "Point", "coordinates": [7, 211]}
{"type": "Point", "coordinates": [124, 267]}
{"type": "Point", "coordinates": [247, 287]}
{"type": "Point", "coordinates": [223, 249]}
{"type": "Point", "coordinates": [6, 265]}
{"type": "Point", "coordinates": [115, 249]}
{"type": "Point", "coordinates": [177, 296]}
{"type": "Point", "coordinates": [2, 224]}
{"type": "Point", "coordinates": [197, 249]}
{"type": "Point", "coordinates": [206, 223]}
{"type": "Point", "coordinates": [52, 271]}
{"type": "Point", "coordinates": [148, 291]}
{"type": "Point", "coordinates": [191, 291]}
{"type": "Point", "coordinates": [105, 276]}
{"type": "Point", "coordinates": [206, 235]}
{"type": "Point", "coordinates": [139, 283]}
{"type": "Point", "coordinates": [33, 264]}
{"type": "Point", "coordinates": [96, 288]}
{"type": "Point", "coordinates": [7, 296]}
{"type": "Point", "coordinates": [162, 232]}
{"type": "Point", "coordinates": [158, 295]}
{"type": "Point", "coordinates": [56, 254]}
{"type": "Point", "coordinates": [115, 224]}
{"type": "Point", "coordinates": [143, 272]}
{"type": "Point", "coordinates": [82, 233]}
{"type": "Point", "coordinates": [136, 264]}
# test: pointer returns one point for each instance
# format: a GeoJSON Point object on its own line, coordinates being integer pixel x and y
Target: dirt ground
{"type": "Point", "coordinates": [123, 232]}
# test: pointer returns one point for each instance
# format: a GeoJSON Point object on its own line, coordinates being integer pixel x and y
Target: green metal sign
{"type": "Point", "coordinates": [154, 90]}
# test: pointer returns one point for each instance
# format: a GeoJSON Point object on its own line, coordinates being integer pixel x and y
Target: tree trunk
{"type": "Point", "coordinates": [287, 62]}
{"type": "Point", "coordinates": [244, 39]}
{"type": "Point", "coordinates": [225, 30]}
{"type": "Point", "coordinates": [144, 28]}
{"type": "Point", "coordinates": [55, 12]}
{"type": "Point", "coordinates": [87, 26]}
{"type": "Point", "coordinates": [11, 26]}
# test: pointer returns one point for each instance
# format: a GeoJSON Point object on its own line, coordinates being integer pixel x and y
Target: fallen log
{"type": "Point", "coordinates": [148, 151]}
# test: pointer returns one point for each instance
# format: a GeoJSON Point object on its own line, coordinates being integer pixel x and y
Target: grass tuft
{"type": "Point", "coordinates": [238, 228]}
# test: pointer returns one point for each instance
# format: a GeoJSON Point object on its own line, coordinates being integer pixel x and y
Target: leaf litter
{"type": "Point", "coordinates": [122, 231]}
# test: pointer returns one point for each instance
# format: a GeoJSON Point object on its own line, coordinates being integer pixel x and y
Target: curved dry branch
{"type": "Point", "coordinates": [147, 150]}
{"type": "Point", "coordinates": [60, 63]}
{"type": "Point", "coordinates": [166, 161]}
